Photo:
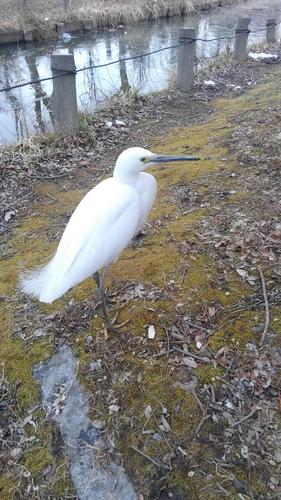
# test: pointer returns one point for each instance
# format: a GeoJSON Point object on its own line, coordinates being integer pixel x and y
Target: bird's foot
{"type": "Point", "coordinates": [111, 326]}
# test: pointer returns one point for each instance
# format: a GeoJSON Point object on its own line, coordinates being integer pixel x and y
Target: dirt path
{"type": "Point", "coordinates": [201, 400]}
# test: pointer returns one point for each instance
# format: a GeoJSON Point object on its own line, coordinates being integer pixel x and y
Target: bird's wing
{"type": "Point", "coordinates": [102, 225]}
{"type": "Point", "coordinates": [147, 188]}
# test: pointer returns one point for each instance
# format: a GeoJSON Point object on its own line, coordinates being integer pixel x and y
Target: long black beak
{"type": "Point", "coordinates": [171, 158]}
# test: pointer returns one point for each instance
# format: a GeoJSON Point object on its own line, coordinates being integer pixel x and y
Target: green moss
{"type": "Point", "coordinates": [207, 374]}
{"type": "Point", "coordinates": [37, 459]}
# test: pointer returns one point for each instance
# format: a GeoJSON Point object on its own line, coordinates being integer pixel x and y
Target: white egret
{"type": "Point", "coordinates": [103, 224]}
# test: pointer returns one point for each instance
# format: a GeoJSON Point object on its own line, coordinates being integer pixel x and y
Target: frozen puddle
{"type": "Point", "coordinates": [65, 401]}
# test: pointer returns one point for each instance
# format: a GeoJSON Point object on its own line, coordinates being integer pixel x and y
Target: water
{"type": "Point", "coordinates": [66, 404]}
{"type": "Point", "coordinates": [26, 110]}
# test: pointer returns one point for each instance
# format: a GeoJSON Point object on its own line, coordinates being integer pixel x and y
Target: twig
{"type": "Point", "coordinates": [222, 490]}
{"type": "Point", "coordinates": [267, 314]}
{"type": "Point", "coordinates": [51, 197]}
{"type": "Point", "coordinates": [183, 275]}
{"type": "Point", "coordinates": [213, 394]}
{"type": "Point", "coordinates": [228, 322]}
{"type": "Point", "coordinates": [195, 356]}
{"type": "Point", "coordinates": [145, 455]}
{"type": "Point", "coordinates": [162, 353]}
{"type": "Point", "coordinates": [240, 429]}
{"type": "Point", "coordinates": [202, 422]}
{"type": "Point", "coordinates": [168, 340]}
{"type": "Point", "coordinates": [216, 407]}
{"type": "Point", "coordinates": [198, 327]}
{"type": "Point", "coordinates": [246, 417]}
{"type": "Point", "coordinates": [178, 336]}
{"type": "Point", "coordinates": [198, 402]}
{"type": "Point", "coordinates": [225, 465]}
{"type": "Point", "coordinates": [161, 431]}
{"type": "Point", "coordinates": [245, 308]}
{"type": "Point", "coordinates": [250, 489]}
{"type": "Point", "coordinates": [168, 351]}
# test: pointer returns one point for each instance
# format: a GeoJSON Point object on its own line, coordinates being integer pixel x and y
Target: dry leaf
{"type": "Point", "coordinates": [9, 214]}
{"type": "Point", "coordinates": [165, 424]}
{"type": "Point", "coordinates": [188, 388]}
{"type": "Point", "coordinates": [98, 424]}
{"type": "Point", "coordinates": [148, 411]}
{"type": "Point", "coordinates": [211, 311]}
{"type": "Point", "coordinates": [242, 273]}
{"type": "Point", "coordinates": [28, 420]}
{"type": "Point", "coordinates": [190, 362]}
{"type": "Point", "coordinates": [113, 408]}
{"type": "Point", "coordinates": [245, 451]}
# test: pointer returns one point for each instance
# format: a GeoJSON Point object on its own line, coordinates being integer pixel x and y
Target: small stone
{"type": "Point", "coordinates": [96, 365]}
{"type": "Point", "coordinates": [238, 485]}
{"type": "Point", "coordinates": [157, 437]}
{"type": "Point", "coordinates": [15, 452]}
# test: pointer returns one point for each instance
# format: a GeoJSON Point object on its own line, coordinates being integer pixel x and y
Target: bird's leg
{"type": "Point", "coordinates": [103, 296]}
{"type": "Point", "coordinates": [96, 277]}
{"type": "Point", "coordinates": [100, 284]}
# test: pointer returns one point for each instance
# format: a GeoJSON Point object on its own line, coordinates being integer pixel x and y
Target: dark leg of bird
{"type": "Point", "coordinates": [96, 277]}
{"type": "Point", "coordinates": [100, 284]}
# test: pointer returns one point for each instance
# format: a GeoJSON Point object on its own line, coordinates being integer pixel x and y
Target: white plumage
{"type": "Point", "coordinates": [102, 225]}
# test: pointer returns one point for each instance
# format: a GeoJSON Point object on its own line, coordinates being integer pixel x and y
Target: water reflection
{"type": "Point", "coordinates": [26, 110]}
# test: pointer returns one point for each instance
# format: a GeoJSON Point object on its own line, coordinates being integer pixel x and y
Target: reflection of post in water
{"type": "Point", "coordinates": [125, 86]}
{"type": "Point", "coordinates": [40, 97]}
{"type": "Point", "coordinates": [16, 106]}
{"type": "Point", "coordinates": [91, 83]}
{"type": "Point", "coordinates": [65, 5]}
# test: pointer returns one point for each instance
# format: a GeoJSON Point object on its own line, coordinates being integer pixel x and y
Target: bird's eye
{"type": "Point", "coordinates": [142, 159]}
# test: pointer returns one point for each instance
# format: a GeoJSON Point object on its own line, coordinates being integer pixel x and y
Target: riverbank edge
{"type": "Point", "coordinates": [38, 29]}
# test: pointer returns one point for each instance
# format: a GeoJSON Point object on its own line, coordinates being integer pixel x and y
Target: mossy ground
{"type": "Point", "coordinates": [211, 218]}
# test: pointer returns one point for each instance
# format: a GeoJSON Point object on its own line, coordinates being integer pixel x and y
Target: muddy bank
{"type": "Point", "coordinates": [37, 21]}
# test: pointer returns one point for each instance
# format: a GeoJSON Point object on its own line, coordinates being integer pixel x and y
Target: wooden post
{"type": "Point", "coordinates": [185, 71]}
{"type": "Point", "coordinates": [28, 35]}
{"type": "Point", "coordinates": [242, 33]}
{"type": "Point", "coordinates": [60, 28]}
{"type": "Point", "coordinates": [270, 30]}
{"type": "Point", "coordinates": [88, 25]}
{"type": "Point", "coordinates": [63, 99]}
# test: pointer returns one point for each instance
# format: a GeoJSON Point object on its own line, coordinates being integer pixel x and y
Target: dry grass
{"type": "Point", "coordinates": [42, 16]}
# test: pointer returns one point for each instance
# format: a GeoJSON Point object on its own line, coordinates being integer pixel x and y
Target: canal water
{"type": "Point", "coordinates": [26, 110]}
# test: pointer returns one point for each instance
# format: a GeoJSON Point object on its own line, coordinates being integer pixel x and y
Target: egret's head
{"type": "Point", "coordinates": [135, 160]}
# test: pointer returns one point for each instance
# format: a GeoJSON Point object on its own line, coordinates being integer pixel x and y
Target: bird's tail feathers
{"type": "Point", "coordinates": [32, 282]}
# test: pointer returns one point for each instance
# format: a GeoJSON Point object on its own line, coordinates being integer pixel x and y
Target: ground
{"type": "Point", "coordinates": [195, 412]}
